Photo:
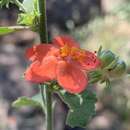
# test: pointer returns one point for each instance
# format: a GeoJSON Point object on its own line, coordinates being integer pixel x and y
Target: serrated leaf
{"type": "Point", "coordinates": [25, 101]}
{"type": "Point", "coordinates": [7, 30]}
{"type": "Point", "coordinates": [82, 107]}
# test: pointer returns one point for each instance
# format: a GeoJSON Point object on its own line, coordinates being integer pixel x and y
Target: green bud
{"type": "Point", "coordinates": [106, 58]}
{"type": "Point", "coordinates": [112, 65]}
{"type": "Point", "coordinates": [119, 70]}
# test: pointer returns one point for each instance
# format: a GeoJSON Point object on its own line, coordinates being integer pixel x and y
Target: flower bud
{"type": "Point", "coordinates": [119, 70]}
{"type": "Point", "coordinates": [106, 58]}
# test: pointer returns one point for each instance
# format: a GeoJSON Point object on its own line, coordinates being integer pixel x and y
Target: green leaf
{"type": "Point", "coordinates": [38, 98]}
{"type": "Point", "coordinates": [31, 15]}
{"type": "Point", "coordinates": [26, 19]}
{"type": "Point", "coordinates": [7, 30]}
{"type": "Point", "coordinates": [81, 107]}
{"type": "Point", "coordinates": [35, 101]}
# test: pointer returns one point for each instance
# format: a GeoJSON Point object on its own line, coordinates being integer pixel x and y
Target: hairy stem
{"type": "Point", "coordinates": [44, 39]}
{"type": "Point", "coordinates": [48, 104]}
{"type": "Point", "coordinates": [43, 21]}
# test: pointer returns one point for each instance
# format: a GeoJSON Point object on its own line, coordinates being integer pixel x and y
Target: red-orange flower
{"type": "Point", "coordinates": [64, 61]}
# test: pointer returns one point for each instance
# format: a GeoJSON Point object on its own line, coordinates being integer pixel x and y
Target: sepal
{"type": "Point", "coordinates": [106, 57]}
{"type": "Point", "coordinates": [119, 70]}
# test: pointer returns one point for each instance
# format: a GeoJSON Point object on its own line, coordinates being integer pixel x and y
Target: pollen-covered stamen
{"type": "Point", "coordinates": [72, 52]}
{"type": "Point", "coordinates": [65, 51]}
{"type": "Point", "coordinates": [77, 54]}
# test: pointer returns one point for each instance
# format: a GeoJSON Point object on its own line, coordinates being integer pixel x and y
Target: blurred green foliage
{"type": "Point", "coordinates": [123, 11]}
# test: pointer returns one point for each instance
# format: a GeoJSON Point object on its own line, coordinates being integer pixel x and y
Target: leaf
{"type": "Point", "coordinates": [10, 29]}
{"type": "Point", "coordinates": [31, 17]}
{"type": "Point", "coordinates": [38, 98]}
{"type": "Point", "coordinates": [82, 107]}
{"type": "Point", "coordinates": [35, 101]}
{"type": "Point", "coordinates": [26, 19]}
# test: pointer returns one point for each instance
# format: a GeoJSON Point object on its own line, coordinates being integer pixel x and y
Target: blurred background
{"type": "Point", "coordinates": [92, 23]}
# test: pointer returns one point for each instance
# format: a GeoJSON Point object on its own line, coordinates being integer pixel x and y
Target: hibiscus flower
{"type": "Point", "coordinates": [62, 60]}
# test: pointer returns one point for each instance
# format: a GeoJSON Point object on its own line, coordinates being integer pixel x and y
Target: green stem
{"type": "Point", "coordinates": [44, 39]}
{"type": "Point", "coordinates": [43, 21]}
{"type": "Point", "coordinates": [48, 104]}
{"type": "Point", "coordinates": [41, 87]}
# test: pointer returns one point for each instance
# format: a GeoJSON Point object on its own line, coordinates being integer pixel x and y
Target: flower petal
{"type": "Point", "coordinates": [30, 54]}
{"type": "Point", "coordinates": [90, 61]}
{"type": "Point", "coordinates": [41, 72]}
{"type": "Point", "coordinates": [32, 76]}
{"type": "Point", "coordinates": [70, 77]}
{"type": "Point", "coordinates": [65, 40]}
{"type": "Point", "coordinates": [38, 52]}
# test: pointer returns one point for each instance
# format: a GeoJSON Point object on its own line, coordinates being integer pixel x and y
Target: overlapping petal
{"type": "Point", "coordinates": [90, 61]}
{"type": "Point", "coordinates": [30, 54]}
{"type": "Point", "coordinates": [70, 77]}
{"type": "Point", "coordinates": [60, 41]}
{"type": "Point", "coordinates": [38, 52]}
{"type": "Point", "coordinates": [40, 72]}
{"type": "Point", "coordinates": [31, 74]}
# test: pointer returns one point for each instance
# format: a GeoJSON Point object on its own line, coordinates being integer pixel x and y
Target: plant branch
{"type": "Point", "coordinates": [48, 104]}
{"type": "Point", "coordinates": [43, 21]}
{"type": "Point", "coordinates": [44, 39]}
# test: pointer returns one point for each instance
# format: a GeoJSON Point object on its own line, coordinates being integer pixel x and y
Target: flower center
{"type": "Point", "coordinates": [72, 52]}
